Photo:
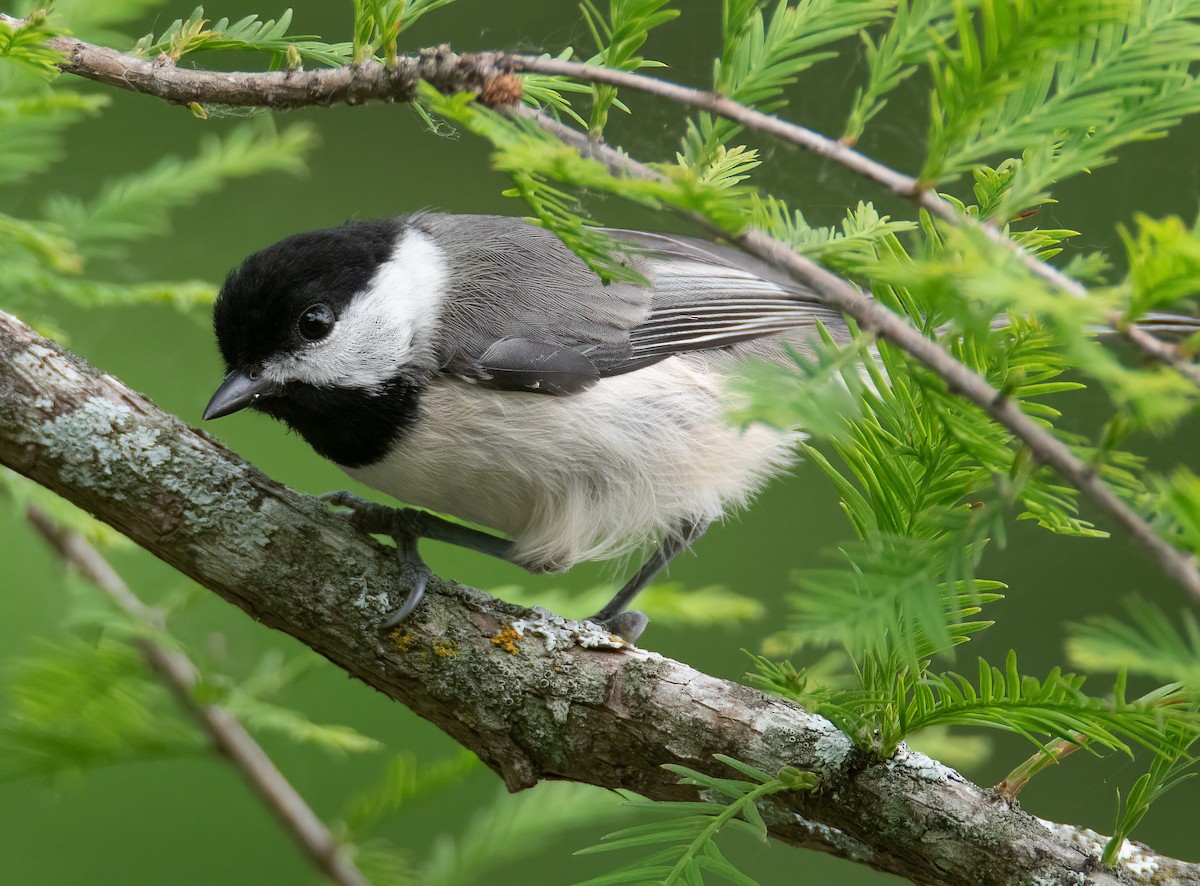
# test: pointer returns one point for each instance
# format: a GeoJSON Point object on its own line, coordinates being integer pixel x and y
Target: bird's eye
{"type": "Point", "coordinates": [315, 322]}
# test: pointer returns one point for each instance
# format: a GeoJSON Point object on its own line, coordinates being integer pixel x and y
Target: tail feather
{"type": "Point", "coordinates": [1171, 327]}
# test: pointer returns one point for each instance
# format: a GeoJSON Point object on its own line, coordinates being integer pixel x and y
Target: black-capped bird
{"type": "Point", "coordinates": [474, 366]}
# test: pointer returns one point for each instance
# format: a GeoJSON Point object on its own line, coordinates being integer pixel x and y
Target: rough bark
{"type": "Point", "coordinates": [533, 695]}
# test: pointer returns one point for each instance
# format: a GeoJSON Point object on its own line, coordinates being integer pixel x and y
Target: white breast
{"type": "Point", "coordinates": [585, 477]}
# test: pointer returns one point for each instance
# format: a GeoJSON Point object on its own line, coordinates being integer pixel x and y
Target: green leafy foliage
{"type": "Point", "coordinates": [137, 206]}
{"type": "Point", "coordinates": [916, 27]}
{"type": "Point", "coordinates": [404, 782]}
{"type": "Point", "coordinates": [379, 23]}
{"type": "Point", "coordinates": [31, 120]}
{"type": "Point", "coordinates": [1164, 265]}
{"type": "Point", "coordinates": [505, 833]}
{"type": "Point", "coordinates": [618, 40]}
{"type": "Point", "coordinates": [1055, 706]}
{"type": "Point", "coordinates": [196, 34]}
{"type": "Point", "coordinates": [499, 835]}
{"type": "Point", "coordinates": [851, 247]}
{"type": "Point", "coordinates": [1166, 771]}
{"type": "Point", "coordinates": [53, 255]}
{"type": "Point", "coordinates": [1065, 82]}
{"type": "Point", "coordinates": [685, 847]}
{"type": "Point", "coordinates": [1144, 641]}
{"type": "Point", "coordinates": [763, 53]}
{"type": "Point", "coordinates": [75, 706]}
{"type": "Point", "coordinates": [764, 48]}
{"type": "Point", "coordinates": [25, 46]}
{"type": "Point", "coordinates": [546, 92]}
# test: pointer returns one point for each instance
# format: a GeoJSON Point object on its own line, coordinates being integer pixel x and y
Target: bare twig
{"type": "Point", "coordinates": [533, 696]}
{"type": "Point", "coordinates": [225, 731]}
{"type": "Point", "coordinates": [485, 73]}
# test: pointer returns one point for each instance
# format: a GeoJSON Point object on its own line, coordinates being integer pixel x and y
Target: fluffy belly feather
{"type": "Point", "coordinates": [584, 477]}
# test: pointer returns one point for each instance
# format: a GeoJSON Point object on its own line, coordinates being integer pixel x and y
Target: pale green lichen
{"type": "Point", "coordinates": [831, 751]}
{"type": "Point", "coordinates": [847, 846]}
{"type": "Point", "coordinates": [367, 603]}
{"type": "Point", "coordinates": [1137, 860]}
{"type": "Point", "coordinates": [88, 443]}
{"type": "Point", "coordinates": [557, 632]}
{"type": "Point", "coordinates": [97, 442]}
{"type": "Point", "coordinates": [217, 497]}
{"type": "Point", "coordinates": [925, 767]}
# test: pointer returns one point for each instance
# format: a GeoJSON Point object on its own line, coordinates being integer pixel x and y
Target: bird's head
{"type": "Point", "coordinates": [331, 331]}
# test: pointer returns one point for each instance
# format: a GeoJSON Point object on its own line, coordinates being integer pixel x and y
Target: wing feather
{"type": "Point", "coordinates": [518, 286]}
{"type": "Point", "coordinates": [703, 298]}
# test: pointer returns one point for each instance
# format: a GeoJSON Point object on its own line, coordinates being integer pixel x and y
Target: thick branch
{"type": "Point", "coordinates": [489, 75]}
{"type": "Point", "coordinates": [533, 695]}
{"type": "Point", "coordinates": [229, 738]}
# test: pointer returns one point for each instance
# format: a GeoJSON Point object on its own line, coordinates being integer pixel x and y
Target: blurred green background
{"type": "Point", "coordinates": [193, 821]}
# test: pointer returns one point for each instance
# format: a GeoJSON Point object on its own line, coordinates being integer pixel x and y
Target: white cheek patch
{"type": "Point", "coordinates": [382, 329]}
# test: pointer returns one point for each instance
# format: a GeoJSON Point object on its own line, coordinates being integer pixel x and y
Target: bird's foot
{"type": "Point", "coordinates": [628, 625]}
{"type": "Point", "coordinates": [367, 516]}
{"type": "Point", "coordinates": [415, 574]}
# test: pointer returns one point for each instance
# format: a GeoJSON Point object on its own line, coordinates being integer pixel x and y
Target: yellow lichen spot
{"type": "Point", "coordinates": [507, 639]}
{"type": "Point", "coordinates": [403, 639]}
{"type": "Point", "coordinates": [443, 649]}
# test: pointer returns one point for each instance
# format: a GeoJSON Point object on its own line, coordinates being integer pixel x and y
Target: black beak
{"type": "Point", "coordinates": [238, 391]}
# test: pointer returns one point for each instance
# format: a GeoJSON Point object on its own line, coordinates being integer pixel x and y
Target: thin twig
{"type": "Point", "coordinates": [896, 182]}
{"type": "Point", "coordinates": [357, 83]}
{"type": "Point", "coordinates": [1013, 783]}
{"type": "Point", "coordinates": [225, 731]}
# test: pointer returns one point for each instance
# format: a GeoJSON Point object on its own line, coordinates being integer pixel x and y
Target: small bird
{"type": "Point", "coordinates": [474, 366]}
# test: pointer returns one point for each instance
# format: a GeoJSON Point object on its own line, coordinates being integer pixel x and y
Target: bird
{"type": "Point", "coordinates": [474, 366]}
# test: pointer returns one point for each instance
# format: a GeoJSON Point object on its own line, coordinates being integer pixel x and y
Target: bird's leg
{"type": "Point", "coordinates": [405, 526]}
{"type": "Point", "coordinates": [615, 615]}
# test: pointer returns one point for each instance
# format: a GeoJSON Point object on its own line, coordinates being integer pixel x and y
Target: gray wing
{"type": "Point", "coordinates": [707, 296]}
{"type": "Point", "coordinates": [526, 314]}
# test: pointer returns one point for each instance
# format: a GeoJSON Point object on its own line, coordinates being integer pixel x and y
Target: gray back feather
{"type": "Point", "coordinates": [513, 280]}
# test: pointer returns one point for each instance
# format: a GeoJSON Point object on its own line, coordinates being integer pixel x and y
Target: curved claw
{"type": "Point", "coordinates": [415, 592]}
{"type": "Point", "coordinates": [418, 575]}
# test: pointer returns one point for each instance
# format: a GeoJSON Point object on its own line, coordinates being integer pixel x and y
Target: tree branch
{"type": "Point", "coordinates": [489, 74]}
{"type": "Point", "coordinates": [898, 183]}
{"type": "Point", "coordinates": [484, 73]}
{"type": "Point", "coordinates": [229, 738]}
{"type": "Point", "coordinates": [534, 695]}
